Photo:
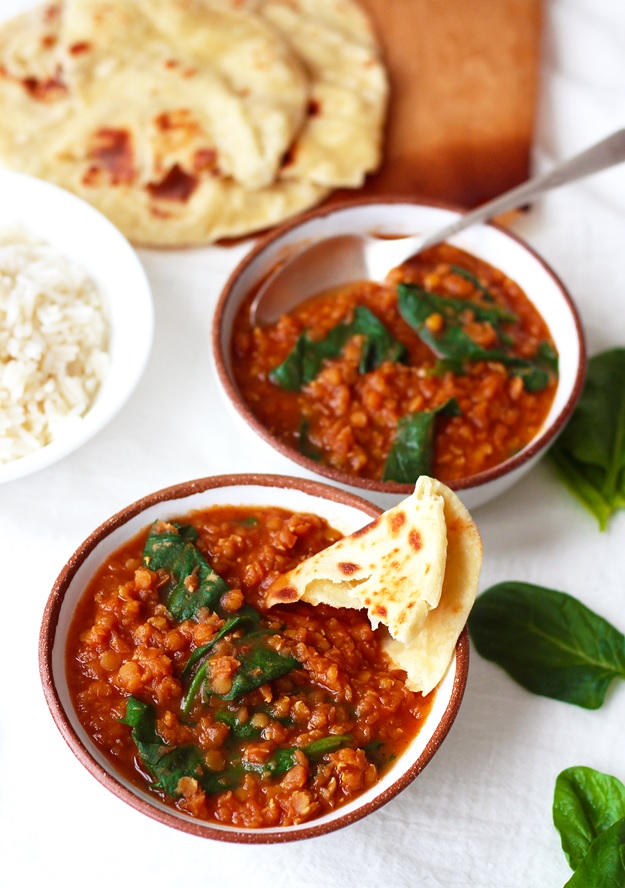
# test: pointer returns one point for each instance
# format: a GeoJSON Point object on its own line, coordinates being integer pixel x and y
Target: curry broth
{"type": "Point", "coordinates": [334, 722]}
{"type": "Point", "coordinates": [348, 419]}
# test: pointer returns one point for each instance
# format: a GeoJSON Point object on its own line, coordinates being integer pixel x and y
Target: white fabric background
{"type": "Point", "coordinates": [480, 814]}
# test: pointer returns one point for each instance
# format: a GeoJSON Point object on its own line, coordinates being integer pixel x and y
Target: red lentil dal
{"type": "Point", "coordinates": [351, 417]}
{"type": "Point", "coordinates": [125, 644]}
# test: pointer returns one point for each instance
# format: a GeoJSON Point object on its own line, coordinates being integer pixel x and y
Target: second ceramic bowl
{"type": "Point", "coordinates": [491, 243]}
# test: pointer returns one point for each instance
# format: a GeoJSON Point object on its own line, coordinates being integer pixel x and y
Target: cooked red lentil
{"type": "Point", "coordinates": [479, 363]}
{"type": "Point", "coordinates": [229, 711]}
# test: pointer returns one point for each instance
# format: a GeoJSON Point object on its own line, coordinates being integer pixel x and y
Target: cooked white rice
{"type": "Point", "coordinates": [53, 344]}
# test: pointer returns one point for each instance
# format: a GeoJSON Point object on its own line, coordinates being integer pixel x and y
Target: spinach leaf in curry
{"type": "Point", "coordinates": [169, 764]}
{"type": "Point", "coordinates": [548, 641]}
{"type": "Point", "coordinates": [412, 451]}
{"type": "Point", "coordinates": [305, 360]}
{"type": "Point", "coordinates": [451, 343]}
{"type": "Point", "coordinates": [192, 583]}
{"type": "Point", "coordinates": [259, 664]}
{"type": "Point", "coordinates": [590, 452]}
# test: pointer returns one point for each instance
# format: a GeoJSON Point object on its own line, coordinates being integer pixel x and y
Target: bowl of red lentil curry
{"type": "Point", "coordinates": [192, 672]}
{"type": "Point", "coordinates": [464, 364]}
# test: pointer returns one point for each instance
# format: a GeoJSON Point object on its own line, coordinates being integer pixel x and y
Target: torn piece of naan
{"type": "Point", "coordinates": [415, 570]}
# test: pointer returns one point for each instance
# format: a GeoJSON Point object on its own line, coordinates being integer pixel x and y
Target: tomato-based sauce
{"type": "Point", "coordinates": [482, 362]}
{"type": "Point", "coordinates": [179, 692]}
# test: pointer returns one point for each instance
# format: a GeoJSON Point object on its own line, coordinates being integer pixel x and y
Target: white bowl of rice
{"type": "Point", "coordinates": [76, 323]}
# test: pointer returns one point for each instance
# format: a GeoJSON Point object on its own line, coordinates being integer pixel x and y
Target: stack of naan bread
{"type": "Point", "coordinates": [187, 121]}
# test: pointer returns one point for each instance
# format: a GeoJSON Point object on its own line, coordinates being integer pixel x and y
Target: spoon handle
{"type": "Point", "coordinates": [604, 154]}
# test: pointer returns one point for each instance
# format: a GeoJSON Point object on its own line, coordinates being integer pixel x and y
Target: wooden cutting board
{"type": "Point", "coordinates": [464, 81]}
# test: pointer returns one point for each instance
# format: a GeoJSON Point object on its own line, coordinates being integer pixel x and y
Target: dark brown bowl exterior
{"type": "Point", "coordinates": [48, 639]}
{"type": "Point", "coordinates": [366, 485]}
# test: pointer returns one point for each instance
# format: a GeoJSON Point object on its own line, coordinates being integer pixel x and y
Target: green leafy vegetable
{"type": "Point", "coordinates": [259, 664]}
{"type": "Point", "coordinates": [238, 620]}
{"type": "Point", "coordinates": [467, 275]}
{"type": "Point", "coordinates": [306, 358]}
{"type": "Point", "coordinates": [283, 760]}
{"type": "Point", "coordinates": [420, 304]}
{"type": "Point", "coordinates": [241, 730]}
{"type": "Point", "coordinates": [194, 688]}
{"type": "Point", "coordinates": [250, 521]}
{"type": "Point", "coordinates": [453, 345]}
{"type": "Point", "coordinates": [586, 803]}
{"type": "Point", "coordinates": [604, 865]}
{"type": "Point", "coordinates": [590, 452]}
{"type": "Point", "coordinates": [192, 584]}
{"type": "Point", "coordinates": [169, 764]}
{"type": "Point", "coordinates": [549, 642]}
{"type": "Point", "coordinates": [412, 450]}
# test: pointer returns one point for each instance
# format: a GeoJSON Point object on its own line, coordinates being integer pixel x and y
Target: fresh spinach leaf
{"type": "Point", "coordinates": [259, 664]}
{"type": "Point", "coordinates": [141, 717]}
{"type": "Point", "coordinates": [549, 642]}
{"type": "Point", "coordinates": [419, 304]}
{"type": "Point", "coordinates": [590, 452]}
{"type": "Point", "coordinates": [194, 688]}
{"type": "Point", "coordinates": [318, 748]}
{"type": "Point", "coordinates": [412, 450]}
{"type": "Point", "coordinates": [241, 730]}
{"type": "Point", "coordinates": [250, 521]}
{"type": "Point", "coordinates": [453, 345]}
{"type": "Point", "coordinates": [604, 865]}
{"type": "Point", "coordinates": [247, 615]}
{"type": "Point", "coordinates": [176, 763]}
{"type": "Point", "coordinates": [379, 344]}
{"type": "Point", "coordinates": [305, 360]}
{"type": "Point", "coordinates": [167, 765]}
{"type": "Point", "coordinates": [586, 803]}
{"type": "Point", "coordinates": [283, 760]}
{"type": "Point", "coordinates": [235, 622]}
{"type": "Point", "coordinates": [467, 275]}
{"type": "Point", "coordinates": [192, 584]}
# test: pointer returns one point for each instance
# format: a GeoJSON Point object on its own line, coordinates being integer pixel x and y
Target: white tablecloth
{"type": "Point", "coordinates": [480, 814]}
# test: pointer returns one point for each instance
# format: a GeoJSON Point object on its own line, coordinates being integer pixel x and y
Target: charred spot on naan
{"type": "Point", "coordinates": [284, 595]}
{"type": "Point", "coordinates": [397, 522]}
{"type": "Point", "coordinates": [49, 90]}
{"type": "Point", "coordinates": [111, 158]}
{"type": "Point", "coordinates": [348, 567]}
{"type": "Point", "coordinates": [415, 540]}
{"type": "Point", "coordinates": [175, 186]}
{"type": "Point", "coordinates": [79, 47]}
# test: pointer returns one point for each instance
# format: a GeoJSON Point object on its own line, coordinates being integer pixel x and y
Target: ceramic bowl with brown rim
{"type": "Point", "coordinates": [344, 512]}
{"type": "Point", "coordinates": [393, 217]}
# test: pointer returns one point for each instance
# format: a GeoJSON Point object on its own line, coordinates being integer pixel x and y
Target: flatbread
{"type": "Point", "coordinates": [342, 139]}
{"type": "Point", "coordinates": [206, 85]}
{"type": "Point", "coordinates": [190, 121]}
{"type": "Point", "coordinates": [415, 570]}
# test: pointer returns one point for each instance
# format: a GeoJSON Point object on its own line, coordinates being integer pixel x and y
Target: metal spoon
{"type": "Point", "coordinates": [334, 261]}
